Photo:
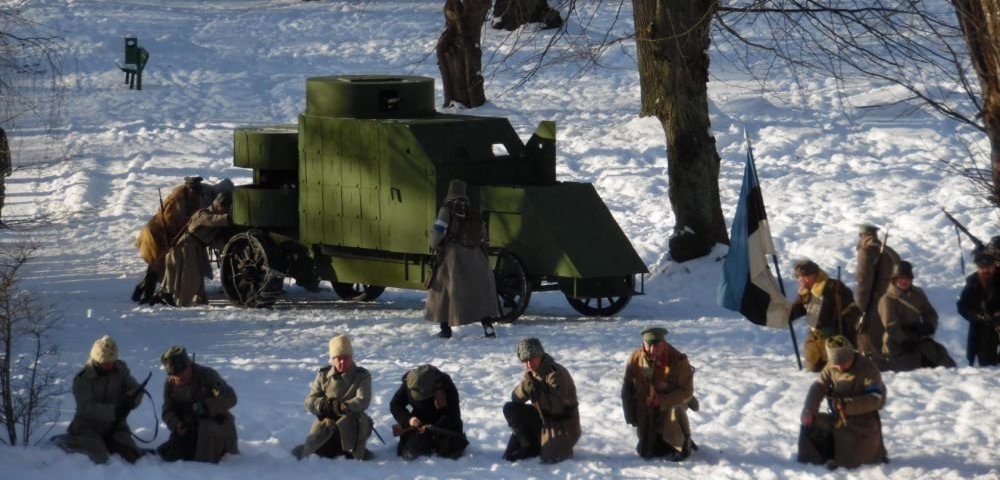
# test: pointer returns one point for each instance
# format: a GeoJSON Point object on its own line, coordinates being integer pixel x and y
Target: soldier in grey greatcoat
{"type": "Point", "coordinates": [338, 397]}
{"type": "Point", "coordinates": [196, 404]}
{"type": "Point", "coordinates": [462, 289]}
{"type": "Point", "coordinates": [872, 272]}
{"type": "Point", "coordinates": [550, 426]}
{"type": "Point", "coordinates": [187, 263]}
{"type": "Point", "coordinates": [849, 435]}
{"type": "Point", "coordinates": [105, 393]}
{"type": "Point", "coordinates": [910, 322]}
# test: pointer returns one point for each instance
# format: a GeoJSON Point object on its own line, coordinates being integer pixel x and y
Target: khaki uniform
{"type": "Point", "coordinates": [552, 394]}
{"type": "Point", "coordinates": [187, 263]}
{"type": "Point", "coordinates": [910, 322]}
{"type": "Point", "coordinates": [871, 285]}
{"type": "Point", "coordinates": [830, 310]}
{"type": "Point", "coordinates": [859, 440]}
{"type": "Point", "coordinates": [209, 436]}
{"type": "Point", "coordinates": [671, 380]}
{"type": "Point", "coordinates": [463, 290]}
{"type": "Point", "coordinates": [93, 431]}
{"type": "Point", "coordinates": [339, 402]}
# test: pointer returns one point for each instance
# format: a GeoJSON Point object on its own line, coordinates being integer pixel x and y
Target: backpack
{"type": "Point", "coordinates": [465, 225]}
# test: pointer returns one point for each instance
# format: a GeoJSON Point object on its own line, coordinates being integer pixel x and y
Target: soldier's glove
{"type": "Point", "coordinates": [328, 408]}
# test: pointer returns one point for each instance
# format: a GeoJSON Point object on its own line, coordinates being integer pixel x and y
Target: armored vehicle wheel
{"type": "Point", "coordinates": [602, 306]}
{"type": "Point", "coordinates": [249, 277]}
{"type": "Point", "coordinates": [357, 292]}
{"type": "Point", "coordinates": [513, 289]}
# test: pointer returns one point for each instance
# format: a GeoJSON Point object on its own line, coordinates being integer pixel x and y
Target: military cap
{"type": "Point", "coordinates": [421, 381]}
{"type": "Point", "coordinates": [652, 335]}
{"type": "Point", "coordinates": [529, 348]}
{"type": "Point", "coordinates": [984, 259]}
{"type": "Point", "coordinates": [104, 350]}
{"type": "Point", "coordinates": [806, 267]}
{"type": "Point", "coordinates": [175, 360]}
{"type": "Point", "coordinates": [867, 229]}
{"type": "Point", "coordinates": [192, 181]}
{"type": "Point", "coordinates": [839, 350]}
{"type": "Point", "coordinates": [903, 269]}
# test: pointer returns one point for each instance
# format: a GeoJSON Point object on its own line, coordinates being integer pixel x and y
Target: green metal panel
{"type": "Point", "coordinates": [388, 272]}
{"type": "Point", "coordinates": [370, 96]}
{"type": "Point", "coordinates": [408, 190]}
{"type": "Point", "coordinates": [310, 179]}
{"type": "Point", "coordinates": [266, 148]}
{"type": "Point", "coordinates": [264, 207]}
{"type": "Point", "coordinates": [562, 230]}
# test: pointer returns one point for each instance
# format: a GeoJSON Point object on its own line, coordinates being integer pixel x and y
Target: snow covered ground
{"type": "Point", "coordinates": [825, 165]}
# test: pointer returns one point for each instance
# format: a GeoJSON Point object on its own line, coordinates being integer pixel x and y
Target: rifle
{"type": "Point", "coordinates": [835, 406]}
{"type": "Point", "coordinates": [399, 430]}
{"type": "Point", "coordinates": [980, 246]}
{"type": "Point", "coordinates": [129, 400]}
{"type": "Point", "coordinates": [871, 290]}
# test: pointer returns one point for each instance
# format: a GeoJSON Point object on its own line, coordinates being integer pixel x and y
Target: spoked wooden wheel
{"type": "Point", "coordinates": [604, 305]}
{"type": "Point", "coordinates": [513, 287]}
{"type": "Point", "coordinates": [249, 274]}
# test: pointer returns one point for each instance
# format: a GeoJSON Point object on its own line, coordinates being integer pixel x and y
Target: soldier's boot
{"type": "Point", "coordinates": [137, 293]}
{"type": "Point", "coordinates": [445, 330]}
{"type": "Point", "coordinates": [488, 330]}
{"type": "Point", "coordinates": [297, 451]}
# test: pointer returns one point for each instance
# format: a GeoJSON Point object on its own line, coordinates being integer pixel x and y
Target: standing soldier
{"type": "Point", "coordinates": [550, 426]}
{"type": "Point", "coordinates": [828, 306]}
{"type": "Point", "coordinates": [196, 403]}
{"type": "Point", "coordinates": [875, 264]}
{"type": "Point", "coordinates": [428, 417]}
{"type": "Point", "coordinates": [656, 393]}
{"type": "Point", "coordinates": [461, 289]}
{"type": "Point", "coordinates": [851, 434]}
{"type": "Point", "coordinates": [105, 393]}
{"type": "Point", "coordinates": [338, 397]}
{"type": "Point", "coordinates": [910, 321]}
{"type": "Point", "coordinates": [979, 304]}
{"type": "Point", "coordinates": [187, 262]}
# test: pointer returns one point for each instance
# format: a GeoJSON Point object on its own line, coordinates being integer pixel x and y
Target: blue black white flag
{"type": "Point", "coordinates": [748, 286]}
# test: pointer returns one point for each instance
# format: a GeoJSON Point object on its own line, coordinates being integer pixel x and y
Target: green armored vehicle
{"type": "Point", "coordinates": [350, 194]}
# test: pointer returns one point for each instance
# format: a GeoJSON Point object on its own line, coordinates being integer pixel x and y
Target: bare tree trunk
{"type": "Point", "coordinates": [459, 55]}
{"type": "Point", "coordinates": [980, 21]}
{"type": "Point", "coordinates": [672, 40]}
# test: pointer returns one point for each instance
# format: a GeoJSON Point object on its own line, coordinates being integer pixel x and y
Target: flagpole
{"type": "Point", "coordinates": [777, 270]}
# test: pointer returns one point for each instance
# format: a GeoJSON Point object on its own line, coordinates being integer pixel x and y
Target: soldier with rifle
{"type": "Point", "coordinates": [196, 404]}
{"type": "Point", "coordinates": [428, 416]}
{"type": "Point", "coordinates": [549, 426]}
{"type": "Point", "coordinates": [105, 393]}
{"type": "Point", "coordinates": [338, 397]}
{"type": "Point", "coordinates": [875, 263]}
{"type": "Point", "coordinates": [461, 288]}
{"type": "Point", "coordinates": [187, 263]}
{"type": "Point", "coordinates": [657, 391]}
{"type": "Point", "coordinates": [850, 434]}
{"type": "Point", "coordinates": [828, 306]}
{"type": "Point", "coordinates": [979, 302]}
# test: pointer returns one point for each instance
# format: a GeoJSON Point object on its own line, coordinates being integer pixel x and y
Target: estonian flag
{"type": "Point", "coordinates": [747, 285]}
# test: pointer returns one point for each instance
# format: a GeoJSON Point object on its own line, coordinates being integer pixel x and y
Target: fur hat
{"type": "Point", "coordinates": [867, 229]}
{"type": "Point", "coordinates": [341, 346]}
{"type": "Point", "coordinates": [839, 350]}
{"type": "Point", "coordinates": [903, 269]}
{"type": "Point", "coordinates": [653, 334]}
{"type": "Point", "coordinates": [192, 182]}
{"type": "Point", "coordinates": [175, 360]}
{"type": "Point", "coordinates": [529, 348]}
{"type": "Point", "coordinates": [806, 267]}
{"type": "Point", "coordinates": [983, 259]}
{"type": "Point", "coordinates": [105, 350]}
{"type": "Point", "coordinates": [456, 189]}
{"type": "Point", "coordinates": [421, 381]}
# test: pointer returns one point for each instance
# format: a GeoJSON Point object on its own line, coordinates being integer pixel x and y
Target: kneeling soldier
{"type": "Point", "coordinates": [427, 415]}
{"type": "Point", "coordinates": [105, 393]}
{"type": "Point", "coordinates": [550, 426]}
{"type": "Point", "coordinates": [851, 434]}
{"type": "Point", "coordinates": [910, 321]}
{"type": "Point", "coordinates": [338, 397]}
{"type": "Point", "coordinates": [196, 403]}
{"type": "Point", "coordinates": [657, 391]}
